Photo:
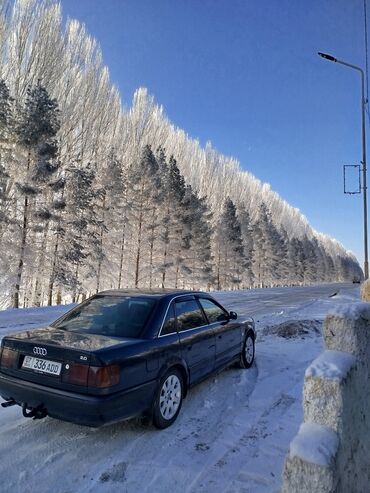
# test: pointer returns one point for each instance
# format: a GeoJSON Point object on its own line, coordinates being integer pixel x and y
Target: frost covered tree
{"type": "Point", "coordinates": [36, 130]}
{"type": "Point", "coordinates": [57, 235]}
{"type": "Point", "coordinates": [81, 246]}
{"type": "Point", "coordinates": [228, 249]}
{"type": "Point", "coordinates": [113, 227]}
{"type": "Point", "coordinates": [248, 244]}
{"type": "Point", "coordinates": [197, 271]}
{"type": "Point", "coordinates": [6, 144]}
{"type": "Point", "coordinates": [297, 256]}
{"type": "Point", "coordinates": [171, 220]}
{"type": "Point", "coordinates": [266, 256]}
{"type": "Point", "coordinates": [141, 196]}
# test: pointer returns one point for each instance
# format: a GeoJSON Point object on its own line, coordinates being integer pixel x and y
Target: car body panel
{"type": "Point", "coordinates": [142, 362]}
{"type": "Point", "coordinates": [198, 349]}
{"type": "Point", "coordinates": [87, 410]}
{"type": "Point", "coordinates": [229, 340]}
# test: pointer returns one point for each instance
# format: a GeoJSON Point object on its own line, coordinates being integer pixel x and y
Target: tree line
{"type": "Point", "coordinates": [94, 196]}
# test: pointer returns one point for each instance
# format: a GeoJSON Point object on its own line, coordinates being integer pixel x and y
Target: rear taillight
{"type": "Point", "coordinates": [75, 374]}
{"type": "Point", "coordinates": [93, 376]}
{"type": "Point", "coordinates": [8, 358]}
{"type": "Point", "coordinates": [103, 376]}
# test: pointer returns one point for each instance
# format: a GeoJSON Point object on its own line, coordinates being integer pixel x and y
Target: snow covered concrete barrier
{"type": "Point", "coordinates": [331, 451]}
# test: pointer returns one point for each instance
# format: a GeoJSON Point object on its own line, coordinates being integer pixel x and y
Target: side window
{"type": "Point", "coordinates": [214, 312]}
{"type": "Point", "coordinates": [169, 323]}
{"type": "Point", "coordinates": [189, 315]}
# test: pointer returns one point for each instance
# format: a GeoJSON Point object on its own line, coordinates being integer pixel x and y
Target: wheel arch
{"type": "Point", "coordinates": [181, 366]}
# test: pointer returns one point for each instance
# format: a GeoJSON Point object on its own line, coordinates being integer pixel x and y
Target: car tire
{"type": "Point", "coordinates": [168, 400]}
{"type": "Point", "coordinates": [247, 355]}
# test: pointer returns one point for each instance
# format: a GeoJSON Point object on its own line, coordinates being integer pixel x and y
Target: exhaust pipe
{"type": "Point", "coordinates": [9, 403]}
{"type": "Point", "coordinates": [38, 412]}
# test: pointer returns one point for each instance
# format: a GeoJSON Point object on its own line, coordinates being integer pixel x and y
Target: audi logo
{"type": "Point", "coordinates": [40, 351]}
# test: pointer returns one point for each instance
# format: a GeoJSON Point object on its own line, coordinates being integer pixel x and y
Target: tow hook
{"type": "Point", "coordinates": [9, 403]}
{"type": "Point", "coordinates": [38, 412]}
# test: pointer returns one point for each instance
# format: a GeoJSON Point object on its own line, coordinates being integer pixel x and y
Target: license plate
{"type": "Point", "coordinates": [42, 365]}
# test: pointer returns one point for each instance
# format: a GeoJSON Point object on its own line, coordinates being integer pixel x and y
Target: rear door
{"type": "Point", "coordinates": [227, 332]}
{"type": "Point", "coordinates": [197, 339]}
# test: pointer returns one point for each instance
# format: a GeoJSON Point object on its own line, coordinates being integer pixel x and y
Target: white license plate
{"type": "Point", "coordinates": [42, 365]}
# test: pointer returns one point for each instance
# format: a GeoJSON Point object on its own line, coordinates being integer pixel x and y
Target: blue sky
{"type": "Point", "coordinates": [245, 75]}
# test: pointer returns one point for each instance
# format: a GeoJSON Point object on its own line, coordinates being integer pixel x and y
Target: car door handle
{"type": "Point", "coordinates": [190, 347]}
{"type": "Point", "coordinates": [220, 336]}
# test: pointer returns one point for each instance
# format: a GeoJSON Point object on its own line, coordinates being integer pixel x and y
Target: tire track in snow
{"type": "Point", "coordinates": [247, 437]}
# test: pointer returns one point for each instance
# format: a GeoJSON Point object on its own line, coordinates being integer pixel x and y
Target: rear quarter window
{"type": "Point", "coordinates": [169, 326]}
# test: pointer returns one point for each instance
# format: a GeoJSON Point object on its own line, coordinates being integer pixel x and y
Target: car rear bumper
{"type": "Point", "coordinates": [79, 408]}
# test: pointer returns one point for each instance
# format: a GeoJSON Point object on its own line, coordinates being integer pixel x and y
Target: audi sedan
{"type": "Point", "coordinates": [122, 354]}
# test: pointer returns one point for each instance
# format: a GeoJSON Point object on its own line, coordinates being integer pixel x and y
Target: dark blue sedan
{"type": "Point", "coordinates": [122, 354]}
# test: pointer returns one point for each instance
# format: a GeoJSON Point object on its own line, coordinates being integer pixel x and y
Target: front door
{"type": "Point", "coordinates": [227, 332]}
{"type": "Point", "coordinates": [197, 339]}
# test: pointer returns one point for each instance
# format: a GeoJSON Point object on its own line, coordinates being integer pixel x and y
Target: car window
{"type": "Point", "coordinates": [189, 315]}
{"type": "Point", "coordinates": [213, 312]}
{"type": "Point", "coordinates": [114, 316]}
{"type": "Point", "coordinates": [169, 323]}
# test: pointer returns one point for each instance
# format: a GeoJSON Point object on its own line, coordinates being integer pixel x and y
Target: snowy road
{"type": "Point", "coordinates": [257, 302]}
{"type": "Point", "coordinates": [231, 436]}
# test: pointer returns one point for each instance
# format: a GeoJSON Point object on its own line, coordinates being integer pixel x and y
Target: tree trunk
{"type": "Point", "coordinates": [100, 261]}
{"type": "Point", "coordinates": [59, 297]}
{"type": "Point", "coordinates": [101, 249]}
{"type": "Point", "coordinates": [23, 245]}
{"type": "Point", "coordinates": [38, 283]}
{"type": "Point", "coordinates": [52, 275]}
{"type": "Point", "coordinates": [164, 267]}
{"type": "Point", "coordinates": [75, 295]}
{"type": "Point", "coordinates": [21, 255]}
{"type": "Point", "coordinates": [121, 258]}
{"type": "Point", "coordinates": [54, 264]}
{"type": "Point", "coordinates": [138, 252]}
{"type": "Point", "coordinates": [218, 270]}
{"type": "Point", "coordinates": [151, 250]}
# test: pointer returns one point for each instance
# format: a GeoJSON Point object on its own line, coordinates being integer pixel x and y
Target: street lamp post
{"type": "Point", "coordinates": [364, 169]}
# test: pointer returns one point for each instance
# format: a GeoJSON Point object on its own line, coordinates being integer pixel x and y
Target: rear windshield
{"type": "Point", "coordinates": [114, 316]}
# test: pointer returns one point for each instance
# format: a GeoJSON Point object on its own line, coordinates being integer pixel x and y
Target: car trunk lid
{"type": "Point", "coordinates": [49, 356]}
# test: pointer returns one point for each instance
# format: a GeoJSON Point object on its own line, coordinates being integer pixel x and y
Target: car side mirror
{"type": "Point", "coordinates": [233, 315]}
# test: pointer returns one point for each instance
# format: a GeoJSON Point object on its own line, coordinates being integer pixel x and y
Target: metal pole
{"type": "Point", "coordinates": [364, 177]}
{"type": "Point", "coordinates": [364, 167]}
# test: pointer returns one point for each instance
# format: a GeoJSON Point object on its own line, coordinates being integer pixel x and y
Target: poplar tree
{"type": "Point", "coordinates": [113, 228]}
{"type": "Point", "coordinates": [81, 245]}
{"type": "Point", "coordinates": [248, 244]}
{"type": "Point", "coordinates": [229, 252]}
{"type": "Point", "coordinates": [37, 127]}
{"type": "Point", "coordinates": [6, 141]}
{"type": "Point", "coordinates": [298, 260]}
{"type": "Point", "coordinates": [310, 261]}
{"type": "Point", "coordinates": [141, 193]}
{"type": "Point", "coordinates": [172, 229]}
{"type": "Point", "coordinates": [199, 272]}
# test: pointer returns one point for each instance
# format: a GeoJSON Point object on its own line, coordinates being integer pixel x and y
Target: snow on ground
{"type": "Point", "coordinates": [232, 434]}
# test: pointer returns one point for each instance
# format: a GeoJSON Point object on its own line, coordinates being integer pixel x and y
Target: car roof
{"type": "Point", "coordinates": [157, 293]}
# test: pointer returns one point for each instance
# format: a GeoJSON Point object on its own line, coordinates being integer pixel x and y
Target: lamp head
{"type": "Point", "coordinates": [327, 57]}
